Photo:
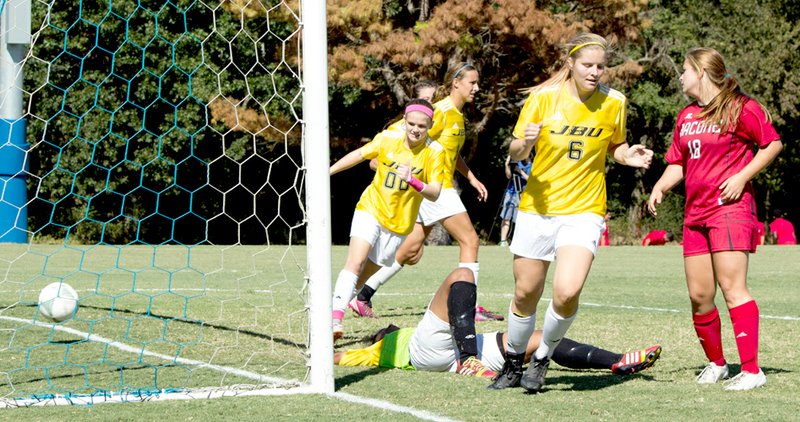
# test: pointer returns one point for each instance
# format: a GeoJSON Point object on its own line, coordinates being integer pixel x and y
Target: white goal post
{"type": "Point", "coordinates": [318, 203]}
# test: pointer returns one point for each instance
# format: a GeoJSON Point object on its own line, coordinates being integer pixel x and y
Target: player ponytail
{"type": "Point", "coordinates": [726, 107]}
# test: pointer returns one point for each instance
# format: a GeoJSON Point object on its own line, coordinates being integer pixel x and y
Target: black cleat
{"type": "Point", "coordinates": [511, 373]}
{"type": "Point", "coordinates": [533, 378]}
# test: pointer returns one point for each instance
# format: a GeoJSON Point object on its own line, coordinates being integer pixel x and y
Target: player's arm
{"type": "Point", "coordinates": [673, 175]}
{"type": "Point", "coordinates": [631, 155]}
{"type": "Point", "coordinates": [429, 191]}
{"type": "Point", "coordinates": [733, 187]}
{"type": "Point", "coordinates": [507, 167]}
{"type": "Point", "coordinates": [527, 129]}
{"type": "Point", "coordinates": [520, 148]}
{"type": "Point", "coordinates": [346, 162]}
{"type": "Point", "coordinates": [463, 168]}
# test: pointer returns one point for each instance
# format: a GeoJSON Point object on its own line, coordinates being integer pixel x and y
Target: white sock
{"type": "Point", "coordinates": [383, 275]}
{"type": "Point", "coordinates": [474, 267]}
{"type": "Point", "coordinates": [519, 331]}
{"type": "Point", "coordinates": [553, 330]}
{"type": "Point", "coordinates": [343, 290]}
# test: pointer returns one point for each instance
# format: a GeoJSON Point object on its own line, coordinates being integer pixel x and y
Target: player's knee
{"type": "Point", "coordinates": [701, 299]}
{"type": "Point", "coordinates": [462, 274]}
{"type": "Point", "coordinates": [566, 298]}
{"type": "Point", "coordinates": [411, 255]}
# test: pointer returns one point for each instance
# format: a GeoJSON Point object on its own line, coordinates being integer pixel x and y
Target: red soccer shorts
{"type": "Point", "coordinates": [728, 232]}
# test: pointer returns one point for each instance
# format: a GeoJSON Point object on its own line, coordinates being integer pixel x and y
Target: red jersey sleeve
{"type": "Point", "coordinates": [753, 123]}
{"type": "Point", "coordinates": [674, 154]}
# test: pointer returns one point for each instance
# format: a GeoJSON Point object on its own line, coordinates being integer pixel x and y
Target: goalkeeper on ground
{"type": "Point", "coordinates": [445, 341]}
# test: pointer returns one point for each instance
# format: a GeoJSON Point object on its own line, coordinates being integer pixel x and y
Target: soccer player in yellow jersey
{"type": "Point", "coordinates": [409, 169]}
{"type": "Point", "coordinates": [450, 131]}
{"type": "Point", "coordinates": [573, 121]}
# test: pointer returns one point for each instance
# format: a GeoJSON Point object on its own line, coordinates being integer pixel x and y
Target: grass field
{"type": "Point", "coordinates": [635, 297]}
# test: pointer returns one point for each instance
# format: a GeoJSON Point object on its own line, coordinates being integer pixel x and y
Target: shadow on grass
{"type": "Point", "coordinates": [734, 369]}
{"type": "Point", "coordinates": [251, 333]}
{"type": "Point", "coordinates": [346, 380]}
{"type": "Point", "coordinates": [587, 380]}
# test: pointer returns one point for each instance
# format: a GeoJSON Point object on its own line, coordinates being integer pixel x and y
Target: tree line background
{"type": "Point", "coordinates": [159, 122]}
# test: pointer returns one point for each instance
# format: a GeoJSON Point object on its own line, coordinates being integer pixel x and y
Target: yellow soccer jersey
{"type": "Point", "coordinates": [388, 198]}
{"type": "Point", "coordinates": [568, 174]}
{"type": "Point", "coordinates": [448, 129]}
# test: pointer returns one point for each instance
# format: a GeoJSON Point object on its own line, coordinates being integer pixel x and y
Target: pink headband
{"type": "Point", "coordinates": [421, 108]}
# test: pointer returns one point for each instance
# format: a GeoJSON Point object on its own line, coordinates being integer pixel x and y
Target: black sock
{"type": "Point", "coordinates": [571, 354]}
{"type": "Point", "coordinates": [365, 294]}
{"type": "Point", "coordinates": [461, 311]}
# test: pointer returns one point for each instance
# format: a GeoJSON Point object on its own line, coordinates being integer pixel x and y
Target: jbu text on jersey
{"type": "Point", "coordinates": [592, 132]}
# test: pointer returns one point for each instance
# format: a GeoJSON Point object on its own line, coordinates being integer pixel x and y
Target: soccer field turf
{"type": "Point", "coordinates": [635, 297]}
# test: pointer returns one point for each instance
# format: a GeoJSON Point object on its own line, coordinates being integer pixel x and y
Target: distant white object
{"type": "Point", "coordinates": [58, 301]}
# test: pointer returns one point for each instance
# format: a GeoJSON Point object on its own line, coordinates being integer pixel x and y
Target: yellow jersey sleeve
{"type": "Point", "coordinates": [368, 356]}
{"type": "Point", "coordinates": [531, 113]}
{"type": "Point", "coordinates": [568, 174]}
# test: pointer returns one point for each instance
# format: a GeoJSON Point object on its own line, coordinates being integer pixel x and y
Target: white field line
{"type": "Point", "coordinates": [227, 370]}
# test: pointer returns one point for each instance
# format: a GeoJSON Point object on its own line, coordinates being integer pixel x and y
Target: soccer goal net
{"type": "Point", "coordinates": [159, 162]}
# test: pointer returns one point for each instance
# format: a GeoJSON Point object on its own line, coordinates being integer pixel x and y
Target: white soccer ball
{"type": "Point", "coordinates": [58, 301]}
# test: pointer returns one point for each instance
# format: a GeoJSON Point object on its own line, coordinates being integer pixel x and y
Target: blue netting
{"type": "Point", "coordinates": [158, 133]}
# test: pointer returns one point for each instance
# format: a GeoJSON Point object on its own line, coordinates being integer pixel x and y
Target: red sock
{"type": "Point", "coordinates": [709, 332]}
{"type": "Point", "coordinates": [745, 326]}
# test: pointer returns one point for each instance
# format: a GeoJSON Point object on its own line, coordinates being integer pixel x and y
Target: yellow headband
{"type": "Point", "coordinates": [579, 46]}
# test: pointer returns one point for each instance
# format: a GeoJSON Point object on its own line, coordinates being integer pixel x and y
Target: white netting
{"type": "Point", "coordinates": [165, 180]}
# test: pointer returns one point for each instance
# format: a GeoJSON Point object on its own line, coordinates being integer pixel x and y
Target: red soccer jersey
{"type": "Point", "coordinates": [656, 237]}
{"type": "Point", "coordinates": [784, 231]}
{"type": "Point", "coordinates": [709, 157]}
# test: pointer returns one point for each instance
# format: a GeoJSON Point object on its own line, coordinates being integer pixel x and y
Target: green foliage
{"type": "Point", "coordinates": [764, 58]}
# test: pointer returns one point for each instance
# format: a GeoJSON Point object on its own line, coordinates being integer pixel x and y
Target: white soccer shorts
{"type": "Point", "coordinates": [385, 242]}
{"type": "Point", "coordinates": [448, 204]}
{"type": "Point", "coordinates": [539, 236]}
{"type": "Point", "coordinates": [433, 347]}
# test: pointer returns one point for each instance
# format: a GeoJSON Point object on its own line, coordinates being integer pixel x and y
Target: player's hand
{"type": "Point", "coordinates": [483, 194]}
{"type": "Point", "coordinates": [404, 170]}
{"type": "Point", "coordinates": [655, 200]}
{"type": "Point", "coordinates": [639, 156]}
{"type": "Point", "coordinates": [732, 188]}
{"type": "Point", "coordinates": [531, 133]}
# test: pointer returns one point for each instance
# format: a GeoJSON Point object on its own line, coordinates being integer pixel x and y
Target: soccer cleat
{"type": "Point", "coordinates": [510, 375]}
{"type": "Point", "coordinates": [533, 378]}
{"type": "Point", "coordinates": [362, 309]}
{"type": "Point", "coordinates": [712, 373]}
{"type": "Point", "coordinates": [636, 361]}
{"type": "Point", "coordinates": [338, 330]}
{"type": "Point", "coordinates": [482, 314]}
{"type": "Point", "coordinates": [502, 244]}
{"type": "Point", "coordinates": [746, 381]}
{"type": "Point", "coordinates": [473, 367]}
